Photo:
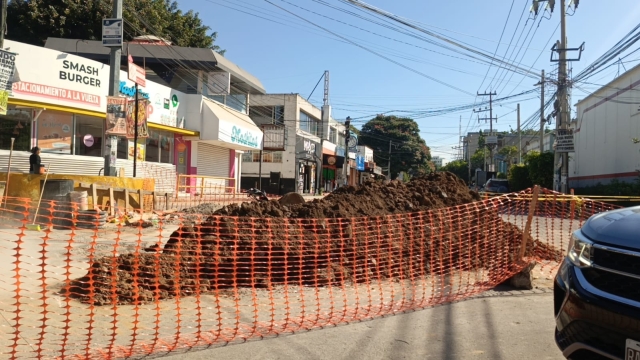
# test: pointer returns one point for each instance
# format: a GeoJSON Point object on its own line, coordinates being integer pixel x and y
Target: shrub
{"type": "Point", "coordinates": [519, 178]}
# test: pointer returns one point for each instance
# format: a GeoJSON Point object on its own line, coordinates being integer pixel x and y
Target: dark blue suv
{"type": "Point", "coordinates": [597, 289]}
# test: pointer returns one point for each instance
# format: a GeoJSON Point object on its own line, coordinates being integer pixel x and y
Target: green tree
{"type": "Point", "coordinates": [458, 167]}
{"type": "Point", "coordinates": [481, 139]}
{"type": "Point", "coordinates": [540, 168]}
{"type": "Point", "coordinates": [409, 151]}
{"type": "Point", "coordinates": [33, 21]}
{"type": "Point", "coordinates": [478, 159]}
{"type": "Point", "coordinates": [519, 178]}
{"type": "Point", "coordinates": [509, 152]}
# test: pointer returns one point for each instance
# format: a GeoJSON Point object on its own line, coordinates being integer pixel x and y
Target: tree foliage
{"type": "Point", "coordinates": [509, 152]}
{"type": "Point", "coordinates": [537, 170]}
{"type": "Point", "coordinates": [540, 168]}
{"type": "Point", "coordinates": [409, 152]}
{"type": "Point", "coordinates": [481, 139]}
{"type": "Point", "coordinates": [33, 21]}
{"type": "Point", "coordinates": [478, 159]}
{"type": "Point", "coordinates": [519, 178]}
{"type": "Point", "coordinates": [459, 168]}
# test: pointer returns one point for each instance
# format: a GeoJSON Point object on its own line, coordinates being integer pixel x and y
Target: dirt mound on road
{"type": "Point", "coordinates": [373, 232]}
{"type": "Point", "coordinates": [434, 191]}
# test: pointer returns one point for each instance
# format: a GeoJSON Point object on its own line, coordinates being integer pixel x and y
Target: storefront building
{"type": "Point", "coordinates": [308, 152]}
{"type": "Point", "coordinates": [333, 159]}
{"type": "Point", "coordinates": [60, 107]}
{"type": "Point", "coordinates": [224, 135]}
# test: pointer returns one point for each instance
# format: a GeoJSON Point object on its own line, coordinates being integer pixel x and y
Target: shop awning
{"type": "Point", "coordinates": [229, 128]}
{"type": "Point", "coordinates": [34, 104]}
{"type": "Point", "coordinates": [173, 129]}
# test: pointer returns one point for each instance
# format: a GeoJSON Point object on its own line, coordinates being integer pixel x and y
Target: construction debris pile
{"type": "Point", "coordinates": [373, 232]}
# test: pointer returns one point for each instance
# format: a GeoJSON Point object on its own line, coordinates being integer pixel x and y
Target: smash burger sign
{"type": "Point", "coordinates": [80, 73]}
{"type": "Point", "coordinates": [53, 77]}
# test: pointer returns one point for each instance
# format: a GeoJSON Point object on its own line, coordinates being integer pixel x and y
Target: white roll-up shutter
{"type": "Point", "coordinates": [213, 160]}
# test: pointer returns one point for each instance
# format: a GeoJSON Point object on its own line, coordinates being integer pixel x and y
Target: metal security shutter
{"type": "Point", "coordinates": [213, 160]}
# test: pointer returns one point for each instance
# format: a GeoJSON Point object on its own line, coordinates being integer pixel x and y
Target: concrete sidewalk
{"type": "Point", "coordinates": [508, 326]}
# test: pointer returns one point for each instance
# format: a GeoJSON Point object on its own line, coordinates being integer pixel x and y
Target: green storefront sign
{"type": "Point", "coordinates": [243, 137]}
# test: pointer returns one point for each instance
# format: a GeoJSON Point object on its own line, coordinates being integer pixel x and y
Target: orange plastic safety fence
{"type": "Point", "coordinates": [82, 288]}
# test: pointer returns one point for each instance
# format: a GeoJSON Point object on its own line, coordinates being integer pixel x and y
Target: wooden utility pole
{"type": "Point", "coordinates": [542, 113]}
{"type": "Point", "coordinates": [519, 138]}
{"type": "Point", "coordinates": [561, 156]}
{"type": "Point", "coordinates": [490, 119]}
{"type": "Point", "coordinates": [3, 22]}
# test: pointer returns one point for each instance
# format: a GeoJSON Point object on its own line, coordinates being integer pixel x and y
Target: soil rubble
{"type": "Point", "coordinates": [432, 225]}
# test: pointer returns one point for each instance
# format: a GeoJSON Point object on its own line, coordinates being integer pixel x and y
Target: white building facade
{"type": "Point", "coordinates": [607, 123]}
{"type": "Point", "coordinates": [295, 167]}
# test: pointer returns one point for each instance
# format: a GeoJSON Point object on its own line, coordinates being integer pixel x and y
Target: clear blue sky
{"type": "Point", "coordinates": [289, 55]}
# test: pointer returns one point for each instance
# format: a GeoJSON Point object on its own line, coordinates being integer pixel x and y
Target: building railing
{"type": "Point", "coordinates": [201, 185]}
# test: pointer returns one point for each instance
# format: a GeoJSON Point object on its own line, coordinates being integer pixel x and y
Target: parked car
{"type": "Point", "coordinates": [597, 289]}
{"type": "Point", "coordinates": [497, 186]}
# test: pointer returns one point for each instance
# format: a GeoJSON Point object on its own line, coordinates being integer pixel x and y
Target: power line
{"type": "Point", "coordinates": [372, 51]}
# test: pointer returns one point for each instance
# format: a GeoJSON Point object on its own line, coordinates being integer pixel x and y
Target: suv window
{"type": "Point", "coordinates": [497, 182]}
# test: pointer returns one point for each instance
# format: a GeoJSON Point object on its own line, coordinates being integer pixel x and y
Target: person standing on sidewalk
{"type": "Point", "coordinates": [35, 162]}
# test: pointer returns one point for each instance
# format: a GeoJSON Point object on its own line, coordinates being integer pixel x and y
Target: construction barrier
{"type": "Point", "coordinates": [83, 288]}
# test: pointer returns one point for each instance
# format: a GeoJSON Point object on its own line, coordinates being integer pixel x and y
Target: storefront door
{"type": "Point", "coordinates": [182, 154]}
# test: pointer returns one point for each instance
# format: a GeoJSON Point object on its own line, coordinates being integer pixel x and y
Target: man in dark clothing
{"type": "Point", "coordinates": [35, 161]}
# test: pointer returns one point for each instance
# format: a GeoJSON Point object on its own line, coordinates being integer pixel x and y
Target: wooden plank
{"type": "Point", "coordinates": [126, 199]}
{"type": "Point", "coordinates": [94, 195]}
{"type": "Point", "coordinates": [527, 228]}
{"type": "Point", "coordinates": [141, 200]}
{"type": "Point", "coordinates": [112, 203]}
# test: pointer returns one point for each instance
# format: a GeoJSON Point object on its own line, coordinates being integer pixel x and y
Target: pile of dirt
{"type": "Point", "coordinates": [437, 190]}
{"type": "Point", "coordinates": [377, 231]}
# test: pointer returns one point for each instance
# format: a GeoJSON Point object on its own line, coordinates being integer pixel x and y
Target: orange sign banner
{"type": "Point", "coordinates": [143, 130]}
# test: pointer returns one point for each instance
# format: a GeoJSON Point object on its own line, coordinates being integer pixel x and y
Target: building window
{"type": "Point", "coordinates": [159, 147]}
{"type": "Point", "coordinates": [267, 156]}
{"type": "Point", "coordinates": [16, 124]}
{"type": "Point", "coordinates": [237, 102]}
{"type": "Point", "coordinates": [88, 136]}
{"type": "Point", "coordinates": [264, 115]}
{"type": "Point", "coordinates": [333, 134]}
{"type": "Point", "coordinates": [308, 123]}
{"type": "Point", "coordinates": [55, 132]}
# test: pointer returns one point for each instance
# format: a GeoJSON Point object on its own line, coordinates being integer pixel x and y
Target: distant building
{"type": "Point", "coordinates": [437, 161]}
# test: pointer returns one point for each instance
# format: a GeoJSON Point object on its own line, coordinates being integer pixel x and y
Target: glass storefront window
{"type": "Point", "coordinates": [89, 136]}
{"type": "Point", "coordinates": [16, 124]}
{"type": "Point", "coordinates": [160, 147]}
{"type": "Point", "coordinates": [55, 132]}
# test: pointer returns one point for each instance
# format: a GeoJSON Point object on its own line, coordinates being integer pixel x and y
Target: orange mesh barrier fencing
{"type": "Point", "coordinates": [84, 289]}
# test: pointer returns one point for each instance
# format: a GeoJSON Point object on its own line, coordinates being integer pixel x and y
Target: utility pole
{"type": "Point", "coordinates": [491, 119]}
{"type": "Point", "coordinates": [347, 136]}
{"type": "Point", "coordinates": [519, 138]}
{"type": "Point", "coordinates": [325, 116]}
{"type": "Point", "coordinates": [563, 95]}
{"type": "Point", "coordinates": [114, 86]}
{"type": "Point", "coordinates": [542, 113]}
{"type": "Point", "coordinates": [561, 156]}
{"type": "Point", "coordinates": [468, 158]}
{"type": "Point", "coordinates": [389, 168]}
{"type": "Point", "coordinates": [460, 138]}
{"type": "Point", "coordinates": [3, 22]}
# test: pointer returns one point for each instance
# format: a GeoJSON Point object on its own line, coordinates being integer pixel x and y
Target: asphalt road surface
{"type": "Point", "coordinates": [506, 326]}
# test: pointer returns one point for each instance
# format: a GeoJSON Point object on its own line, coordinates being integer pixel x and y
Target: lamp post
{"type": "Point", "coordinates": [347, 137]}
